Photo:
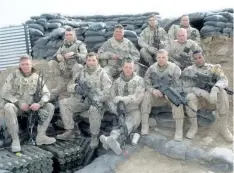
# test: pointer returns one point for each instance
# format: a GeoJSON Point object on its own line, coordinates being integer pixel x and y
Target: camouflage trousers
{"type": "Point", "coordinates": [147, 57]}
{"type": "Point", "coordinates": [71, 105]}
{"type": "Point", "coordinates": [11, 112]}
{"type": "Point", "coordinates": [202, 101]}
{"type": "Point", "coordinates": [150, 101]}
{"type": "Point", "coordinates": [62, 78]}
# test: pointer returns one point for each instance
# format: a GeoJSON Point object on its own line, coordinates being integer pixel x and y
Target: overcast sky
{"type": "Point", "coordinates": [18, 11]}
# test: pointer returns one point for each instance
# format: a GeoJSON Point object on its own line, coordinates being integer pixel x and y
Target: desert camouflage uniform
{"type": "Point", "coordinates": [76, 104]}
{"type": "Point", "coordinates": [170, 70]}
{"type": "Point", "coordinates": [181, 53]}
{"type": "Point", "coordinates": [193, 33]}
{"type": "Point", "coordinates": [71, 66]}
{"type": "Point", "coordinates": [19, 89]}
{"type": "Point", "coordinates": [122, 49]}
{"type": "Point", "coordinates": [131, 91]}
{"type": "Point", "coordinates": [146, 40]}
{"type": "Point", "coordinates": [203, 99]}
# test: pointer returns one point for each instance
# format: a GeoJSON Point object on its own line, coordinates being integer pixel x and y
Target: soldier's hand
{"type": "Point", "coordinates": [69, 55]}
{"type": "Point", "coordinates": [60, 57]}
{"type": "Point", "coordinates": [214, 95]}
{"type": "Point", "coordinates": [157, 93]}
{"type": "Point", "coordinates": [152, 50]}
{"type": "Point", "coordinates": [24, 107]}
{"type": "Point", "coordinates": [35, 106]}
{"type": "Point", "coordinates": [117, 99]}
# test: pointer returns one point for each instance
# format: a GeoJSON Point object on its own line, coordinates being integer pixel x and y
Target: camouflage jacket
{"type": "Point", "coordinates": [208, 69]}
{"type": "Point", "coordinates": [171, 70]}
{"type": "Point", "coordinates": [147, 37]}
{"type": "Point", "coordinates": [18, 88]}
{"type": "Point", "coordinates": [98, 79]}
{"type": "Point", "coordinates": [133, 89]}
{"type": "Point", "coordinates": [193, 33]}
{"type": "Point", "coordinates": [122, 49]}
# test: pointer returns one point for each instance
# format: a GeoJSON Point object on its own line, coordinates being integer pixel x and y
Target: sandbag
{"type": "Point", "coordinates": [216, 17]}
{"type": "Point", "coordinates": [109, 34]}
{"type": "Point", "coordinates": [213, 23]}
{"type": "Point", "coordinates": [128, 33]}
{"type": "Point", "coordinates": [111, 23]}
{"type": "Point", "coordinates": [39, 53]}
{"type": "Point", "coordinates": [50, 52]}
{"type": "Point", "coordinates": [94, 39]}
{"type": "Point", "coordinates": [51, 44]}
{"type": "Point", "coordinates": [30, 22]}
{"type": "Point", "coordinates": [59, 32]}
{"type": "Point", "coordinates": [97, 26]}
{"type": "Point", "coordinates": [210, 34]}
{"type": "Point", "coordinates": [42, 20]}
{"type": "Point", "coordinates": [36, 32]}
{"type": "Point", "coordinates": [36, 26]}
{"type": "Point", "coordinates": [207, 29]}
{"type": "Point", "coordinates": [144, 26]}
{"type": "Point", "coordinates": [227, 30]}
{"type": "Point", "coordinates": [54, 25]}
{"type": "Point", "coordinates": [138, 22]}
{"type": "Point", "coordinates": [138, 31]}
{"type": "Point", "coordinates": [229, 25]}
{"type": "Point", "coordinates": [129, 27]}
{"type": "Point", "coordinates": [59, 44]}
{"type": "Point", "coordinates": [97, 46]}
{"type": "Point", "coordinates": [80, 37]}
{"type": "Point", "coordinates": [35, 17]}
{"type": "Point", "coordinates": [81, 30]}
{"type": "Point", "coordinates": [110, 28]}
{"type": "Point", "coordinates": [62, 22]}
{"type": "Point", "coordinates": [95, 33]}
{"type": "Point", "coordinates": [227, 15]}
{"type": "Point", "coordinates": [41, 42]}
{"type": "Point", "coordinates": [73, 24]}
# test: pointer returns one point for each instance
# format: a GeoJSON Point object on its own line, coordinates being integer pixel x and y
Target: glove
{"type": "Point", "coordinates": [126, 100]}
{"type": "Point", "coordinates": [201, 93]}
{"type": "Point", "coordinates": [214, 95]}
{"type": "Point", "coordinates": [152, 50]}
{"type": "Point", "coordinates": [43, 114]}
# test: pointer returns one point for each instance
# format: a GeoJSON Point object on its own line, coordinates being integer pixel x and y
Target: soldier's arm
{"type": "Point", "coordinates": [148, 82]}
{"type": "Point", "coordinates": [176, 77]}
{"type": "Point", "coordinates": [187, 82]}
{"type": "Point", "coordinates": [104, 51]}
{"type": "Point", "coordinates": [6, 90]}
{"type": "Point", "coordinates": [105, 87]}
{"type": "Point", "coordinates": [164, 37]}
{"type": "Point", "coordinates": [198, 37]}
{"type": "Point", "coordinates": [81, 56]}
{"type": "Point", "coordinates": [139, 92]}
{"type": "Point", "coordinates": [134, 52]}
{"type": "Point", "coordinates": [58, 54]}
{"type": "Point", "coordinates": [172, 32]}
{"type": "Point", "coordinates": [142, 40]}
{"type": "Point", "coordinates": [222, 81]}
{"type": "Point", "coordinates": [72, 84]}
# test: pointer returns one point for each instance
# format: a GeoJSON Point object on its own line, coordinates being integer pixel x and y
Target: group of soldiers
{"type": "Point", "coordinates": [90, 84]}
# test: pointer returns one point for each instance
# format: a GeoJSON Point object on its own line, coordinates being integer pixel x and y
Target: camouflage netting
{"type": "Point", "coordinates": [47, 30]}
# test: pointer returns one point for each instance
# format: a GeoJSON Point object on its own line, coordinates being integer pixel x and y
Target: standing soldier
{"type": "Point", "coordinates": [128, 88]}
{"type": "Point", "coordinates": [196, 82]}
{"type": "Point", "coordinates": [114, 50]}
{"type": "Point", "coordinates": [181, 50]}
{"type": "Point", "coordinates": [69, 58]}
{"type": "Point", "coordinates": [80, 101]}
{"type": "Point", "coordinates": [193, 33]}
{"type": "Point", "coordinates": [17, 92]}
{"type": "Point", "coordinates": [151, 40]}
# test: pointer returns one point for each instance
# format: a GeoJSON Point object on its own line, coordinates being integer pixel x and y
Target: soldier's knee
{"type": "Point", "coordinates": [9, 106]}
{"type": "Point", "coordinates": [191, 97]}
{"type": "Point", "coordinates": [50, 107]}
{"type": "Point", "coordinates": [143, 50]}
{"type": "Point", "coordinates": [94, 110]}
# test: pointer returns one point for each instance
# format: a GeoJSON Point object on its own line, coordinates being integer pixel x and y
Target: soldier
{"type": "Point", "coordinates": [193, 33]}
{"type": "Point", "coordinates": [151, 40]}
{"type": "Point", "coordinates": [180, 50]}
{"type": "Point", "coordinates": [77, 103]}
{"type": "Point", "coordinates": [17, 92]}
{"type": "Point", "coordinates": [69, 58]}
{"type": "Point", "coordinates": [154, 97]}
{"type": "Point", "coordinates": [130, 89]}
{"type": "Point", "coordinates": [114, 50]}
{"type": "Point", "coordinates": [215, 98]}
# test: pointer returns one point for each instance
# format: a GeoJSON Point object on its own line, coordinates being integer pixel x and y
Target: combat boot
{"type": "Point", "coordinates": [103, 140]}
{"type": "Point", "coordinates": [41, 139]}
{"type": "Point", "coordinates": [193, 128]}
{"type": "Point", "coordinates": [15, 146]}
{"type": "Point", "coordinates": [67, 135]}
{"type": "Point", "coordinates": [223, 129]}
{"type": "Point", "coordinates": [179, 130]}
{"type": "Point", "coordinates": [94, 141]}
{"type": "Point", "coordinates": [114, 144]}
{"type": "Point", "coordinates": [145, 124]}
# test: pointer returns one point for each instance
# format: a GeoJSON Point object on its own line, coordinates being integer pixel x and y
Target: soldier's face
{"type": "Point", "coordinates": [69, 36]}
{"type": "Point", "coordinates": [152, 21]}
{"type": "Point", "coordinates": [199, 59]}
{"type": "Point", "coordinates": [26, 66]}
{"type": "Point", "coordinates": [184, 21]}
{"type": "Point", "coordinates": [128, 69]}
{"type": "Point", "coordinates": [182, 36]}
{"type": "Point", "coordinates": [118, 34]}
{"type": "Point", "coordinates": [92, 61]}
{"type": "Point", "coordinates": [162, 59]}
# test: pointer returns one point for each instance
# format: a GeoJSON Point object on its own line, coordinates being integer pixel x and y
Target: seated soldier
{"type": "Point", "coordinates": [68, 61]}
{"type": "Point", "coordinates": [114, 50]}
{"type": "Point", "coordinates": [88, 100]}
{"type": "Point", "coordinates": [193, 33]}
{"type": "Point", "coordinates": [207, 83]}
{"type": "Point", "coordinates": [151, 40]}
{"type": "Point", "coordinates": [18, 93]}
{"type": "Point", "coordinates": [168, 74]}
{"type": "Point", "coordinates": [128, 88]}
